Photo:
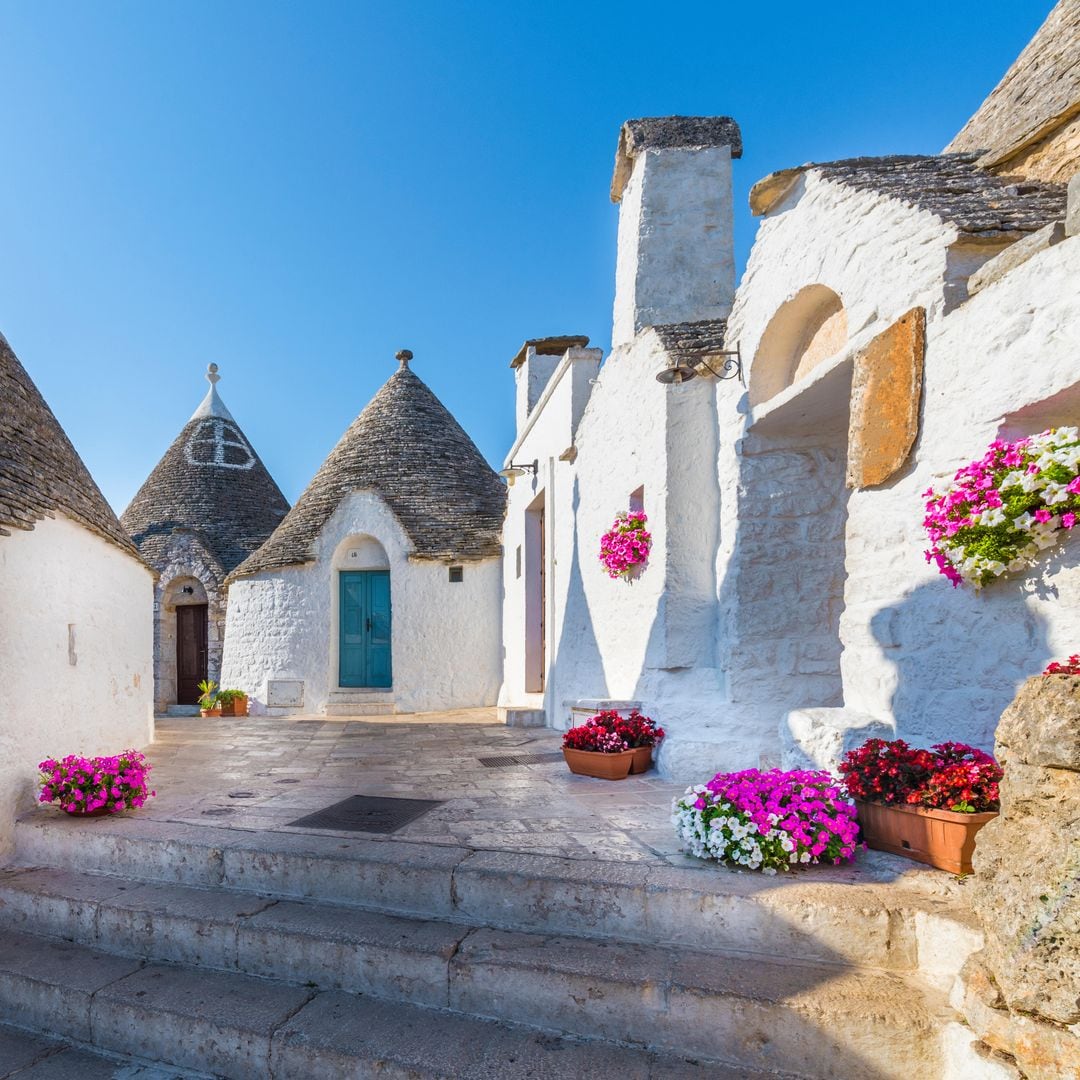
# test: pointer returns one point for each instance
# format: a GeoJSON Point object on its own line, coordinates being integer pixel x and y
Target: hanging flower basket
{"type": "Point", "coordinates": [624, 548]}
{"type": "Point", "coordinates": [1002, 511]}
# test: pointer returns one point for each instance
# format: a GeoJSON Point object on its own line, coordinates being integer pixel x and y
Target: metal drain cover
{"type": "Point", "coordinates": [504, 761]}
{"type": "Point", "coordinates": [367, 813]}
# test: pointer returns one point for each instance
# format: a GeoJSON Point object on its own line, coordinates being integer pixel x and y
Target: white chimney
{"type": "Point", "coordinates": [534, 365]}
{"type": "Point", "coordinates": [676, 259]}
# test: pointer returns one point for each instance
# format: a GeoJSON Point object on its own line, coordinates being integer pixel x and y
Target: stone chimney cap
{"type": "Point", "coordinates": [549, 346]}
{"type": "Point", "coordinates": [670, 133]}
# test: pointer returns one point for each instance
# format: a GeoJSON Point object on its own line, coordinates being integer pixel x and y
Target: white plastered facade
{"type": "Point", "coordinates": [445, 635]}
{"type": "Point", "coordinates": [76, 653]}
{"type": "Point", "coordinates": [782, 617]}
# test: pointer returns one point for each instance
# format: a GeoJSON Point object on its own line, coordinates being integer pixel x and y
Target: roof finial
{"type": "Point", "coordinates": [403, 356]}
{"type": "Point", "coordinates": [211, 374]}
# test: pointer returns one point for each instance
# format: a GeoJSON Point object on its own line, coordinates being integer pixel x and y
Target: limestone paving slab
{"type": "Point", "coordinates": [337, 1035]}
{"type": "Point", "coordinates": [351, 949]}
{"type": "Point", "coordinates": [743, 1009]}
{"type": "Point", "coordinates": [48, 985]}
{"type": "Point", "coordinates": [20, 1048]}
{"type": "Point", "coordinates": [195, 1018]}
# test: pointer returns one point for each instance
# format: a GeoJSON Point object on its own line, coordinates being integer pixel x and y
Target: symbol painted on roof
{"type": "Point", "coordinates": [216, 442]}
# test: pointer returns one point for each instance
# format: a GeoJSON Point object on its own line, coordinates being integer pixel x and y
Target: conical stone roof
{"type": "Point", "coordinates": [406, 447]}
{"type": "Point", "coordinates": [211, 483]}
{"type": "Point", "coordinates": [40, 472]}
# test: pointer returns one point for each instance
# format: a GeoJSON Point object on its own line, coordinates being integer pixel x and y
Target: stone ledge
{"type": "Point", "coordinates": [1016, 255]}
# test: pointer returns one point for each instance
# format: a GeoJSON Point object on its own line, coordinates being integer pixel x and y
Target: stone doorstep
{"type": "Point", "coordinates": [870, 925]}
{"type": "Point", "coordinates": [249, 1028]}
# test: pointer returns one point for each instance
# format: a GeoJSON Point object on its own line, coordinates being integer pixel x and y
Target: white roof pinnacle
{"type": "Point", "coordinates": [212, 405]}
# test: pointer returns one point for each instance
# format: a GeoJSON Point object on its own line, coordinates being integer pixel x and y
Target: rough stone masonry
{"type": "Point", "coordinates": [1023, 989]}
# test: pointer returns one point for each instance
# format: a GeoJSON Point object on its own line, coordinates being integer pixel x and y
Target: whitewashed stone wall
{"type": "Point", "coordinates": [445, 637]}
{"type": "Point", "coordinates": [76, 652]}
{"type": "Point", "coordinates": [652, 639]}
{"type": "Point", "coordinates": [919, 658]}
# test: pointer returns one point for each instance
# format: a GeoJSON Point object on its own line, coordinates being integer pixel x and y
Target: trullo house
{"type": "Point", "coordinates": [75, 621]}
{"type": "Point", "coordinates": [207, 505]}
{"type": "Point", "coordinates": [380, 590]}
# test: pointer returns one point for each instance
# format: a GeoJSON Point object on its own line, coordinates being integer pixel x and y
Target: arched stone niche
{"type": "Point", "coordinates": [805, 331]}
{"type": "Point", "coordinates": [183, 590]}
{"type": "Point", "coordinates": [360, 553]}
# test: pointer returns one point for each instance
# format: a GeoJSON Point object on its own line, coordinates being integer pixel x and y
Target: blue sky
{"type": "Point", "coordinates": [297, 190]}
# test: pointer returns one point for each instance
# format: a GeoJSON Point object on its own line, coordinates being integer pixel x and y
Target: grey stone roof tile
{"type": "Point", "coordinates": [406, 447]}
{"type": "Point", "coordinates": [210, 482]}
{"type": "Point", "coordinates": [1040, 91]}
{"type": "Point", "coordinates": [950, 186]}
{"type": "Point", "coordinates": [689, 342]}
{"type": "Point", "coordinates": [670, 133]}
{"type": "Point", "coordinates": [40, 472]}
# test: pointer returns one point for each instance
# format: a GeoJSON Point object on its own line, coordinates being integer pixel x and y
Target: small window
{"type": "Point", "coordinates": [637, 500]}
{"type": "Point", "coordinates": [518, 561]}
{"type": "Point", "coordinates": [457, 573]}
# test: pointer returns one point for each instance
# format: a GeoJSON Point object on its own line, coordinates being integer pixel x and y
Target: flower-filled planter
{"type": "Point", "coordinates": [624, 548]}
{"type": "Point", "coordinates": [1002, 511]}
{"type": "Point", "coordinates": [926, 805]}
{"type": "Point", "coordinates": [638, 733]}
{"type": "Point", "coordinates": [610, 746]}
{"type": "Point", "coordinates": [98, 785]}
{"type": "Point", "coordinates": [767, 821]}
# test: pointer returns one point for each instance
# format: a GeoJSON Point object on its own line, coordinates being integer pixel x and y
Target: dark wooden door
{"type": "Point", "coordinates": [190, 652]}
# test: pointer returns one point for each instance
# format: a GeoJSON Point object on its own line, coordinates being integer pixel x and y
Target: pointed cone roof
{"type": "Point", "coordinates": [210, 482]}
{"type": "Point", "coordinates": [407, 447]}
{"type": "Point", "coordinates": [40, 472]}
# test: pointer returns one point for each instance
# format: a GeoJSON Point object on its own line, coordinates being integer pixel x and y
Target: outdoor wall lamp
{"type": "Point", "coordinates": [513, 471]}
{"type": "Point", "coordinates": [677, 372]}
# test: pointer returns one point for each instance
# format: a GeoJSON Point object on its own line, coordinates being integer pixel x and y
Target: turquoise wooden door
{"type": "Point", "coordinates": [364, 633]}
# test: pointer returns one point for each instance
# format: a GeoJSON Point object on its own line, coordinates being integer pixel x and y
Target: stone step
{"type": "Point", "coordinates": [26, 1056]}
{"type": "Point", "coordinates": [359, 708]}
{"type": "Point", "coordinates": [815, 917]}
{"type": "Point", "coordinates": [247, 1028]}
{"type": "Point", "coordinates": [820, 1019]}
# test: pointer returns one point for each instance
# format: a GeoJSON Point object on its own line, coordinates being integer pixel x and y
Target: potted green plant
{"type": "Point", "coordinates": [232, 702]}
{"type": "Point", "coordinates": [208, 703]}
{"type": "Point", "coordinates": [925, 805]}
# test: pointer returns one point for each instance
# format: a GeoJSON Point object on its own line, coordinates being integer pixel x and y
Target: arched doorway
{"type": "Point", "coordinates": [185, 620]}
{"type": "Point", "coordinates": [364, 624]}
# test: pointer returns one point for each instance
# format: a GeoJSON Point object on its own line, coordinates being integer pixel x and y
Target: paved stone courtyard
{"type": "Point", "coordinates": [260, 773]}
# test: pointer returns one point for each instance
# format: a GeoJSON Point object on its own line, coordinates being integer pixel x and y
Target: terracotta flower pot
{"type": "Point", "coordinates": [215, 711]}
{"type": "Point", "coordinates": [642, 759]}
{"type": "Point", "coordinates": [941, 838]}
{"type": "Point", "coordinates": [101, 811]}
{"type": "Point", "coordinates": [235, 707]}
{"type": "Point", "coordinates": [601, 766]}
